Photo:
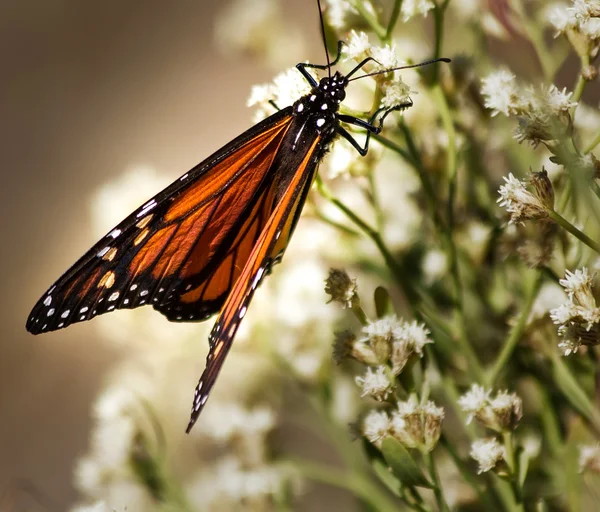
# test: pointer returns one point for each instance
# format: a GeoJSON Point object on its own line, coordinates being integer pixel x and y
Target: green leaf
{"type": "Point", "coordinates": [402, 464]}
{"type": "Point", "coordinates": [383, 304]}
{"type": "Point", "coordinates": [387, 477]}
{"type": "Point", "coordinates": [522, 465]}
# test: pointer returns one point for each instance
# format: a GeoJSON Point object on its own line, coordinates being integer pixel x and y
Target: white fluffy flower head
{"type": "Point", "coordinates": [487, 453]}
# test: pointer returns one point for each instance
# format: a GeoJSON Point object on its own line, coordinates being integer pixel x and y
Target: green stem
{"type": "Point", "coordinates": [393, 20]}
{"type": "Point", "coordinates": [389, 259]}
{"type": "Point", "coordinates": [358, 484]}
{"type": "Point", "coordinates": [437, 490]}
{"type": "Point", "coordinates": [516, 332]}
{"type": "Point", "coordinates": [565, 224]}
{"type": "Point", "coordinates": [512, 464]}
{"type": "Point", "coordinates": [580, 86]}
{"type": "Point", "coordinates": [592, 144]}
{"type": "Point", "coordinates": [371, 20]}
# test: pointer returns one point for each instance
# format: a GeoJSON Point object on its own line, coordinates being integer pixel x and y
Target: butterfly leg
{"type": "Point", "coordinates": [369, 125]}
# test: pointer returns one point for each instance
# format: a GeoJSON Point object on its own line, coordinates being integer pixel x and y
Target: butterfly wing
{"type": "Point", "coordinates": [267, 251]}
{"type": "Point", "coordinates": [195, 236]}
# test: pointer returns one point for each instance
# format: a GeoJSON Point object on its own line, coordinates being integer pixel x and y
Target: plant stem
{"type": "Point", "coordinates": [358, 484]}
{"type": "Point", "coordinates": [592, 144]}
{"type": "Point", "coordinates": [512, 464]}
{"type": "Point", "coordinates": [564, 223]}
{"type": "Point", "coordinates": [437, 490]}
{"type": "Point", "coordinates": [516, 332]}
{"type": "Point", "coordinates": [580, 86]}
{"type": "Point", "coordinates": [371, 20]}
{"type": "Point", "coordinates": [393, 20]}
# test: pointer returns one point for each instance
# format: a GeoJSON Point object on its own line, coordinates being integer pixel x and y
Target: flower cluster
{"type": "Point", "coordinates": [578, 319]}
{"type": "Point", "coordinates": [415, 425]}
{"type": "Point", "coordinates": [579, 21]}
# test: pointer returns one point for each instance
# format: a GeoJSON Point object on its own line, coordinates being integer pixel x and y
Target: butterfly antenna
{"type": "Point", "coordinates": [382, 72]}
{"type": "Point", "coordinates": [324, 38]}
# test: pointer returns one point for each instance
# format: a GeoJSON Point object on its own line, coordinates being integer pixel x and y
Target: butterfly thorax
{"type": "Point", "coordinates": [320, 106]}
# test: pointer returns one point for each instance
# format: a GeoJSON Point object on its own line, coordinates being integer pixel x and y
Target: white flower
{"type": "Point", "coordinates": [375, 383]}
{"type": "Point", "coordinates": [487, 453]}
{"type": "Point", "coordinates": [474, 401]}
{"type": "Point", "coordinates": [501, 413]}
{"type": "Point", "coordinates": [381, 329]}
{"type": "Point", "coordinates": [285, 89]}
{"type": "Point", "coordinates": [337, 12]}
{"type": "Point", "coordinates": [224, 421]}
{"type": "Point", "coordinates": [414, 334]}
{"type": "Point", "coordinates": [375, 426]}
{"type": "Point", "coordinates": [589, 458]}
{"type": "Point", "coordinates": [357, 46]}
{"type": "Point", "coordinates": [578, 285]}
{"type": "Point", "coordinates": [434, 265]}
{"type": "Point", "coordinates": [500, 92]}
{"type": "Point", "coordinates": [519, 202]}
{"type": "Point", "coordinates": [385, 56]}
{"type": "Point", "coordinates": [417, 425]}
{"type": "Point", "coordinates": [559, 101]}
{"type": "Point", "coordinates": [395, 93]}
{"type": "Point", "coordinates": [412, 8]}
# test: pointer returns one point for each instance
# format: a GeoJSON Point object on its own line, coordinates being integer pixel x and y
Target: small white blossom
{"type": "Point", "coordinates": [501, 413]}
{"type": "Point", "coordinates": [589, 458]}
{"type": "Point", "coordinates": [385, 56]}
{"type": "Point", "coordinates": [519, 202]}
{"type": "Point", "coordinates": [337, 12]}
{"type": "Point", "coordinates": [375, 426]}
{"type": "Point", "coordinates": [559, 101]}
{"type": "Point", "coordinates": [413, 8]}
{"type": "Point", "coordinates": [474, 401]}
{"type": "Point", "coordinates": [578, 286]}
{"type": "Point", "coordinates": [226, 421]}
{"type": "Point", "coordinates": [487, 453]}
{"type": "Point", "coordinates": [417, 425]}
{"type": "Point", "coordinates": [395, 93]}
{"type": "Point", "coordinates": [375, 383]}
{"type": "Point", "coordinates": [357, 46]}
{"type": "Point", "coordinates": [500, 92]}
{"type": "Point", "coordinates": [415, 334]}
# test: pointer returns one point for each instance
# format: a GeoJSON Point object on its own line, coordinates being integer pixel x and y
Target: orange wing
{"type": "Point", "coordinates": [267, 251]}
{"type": "Point", "coordinates": [182, 250]}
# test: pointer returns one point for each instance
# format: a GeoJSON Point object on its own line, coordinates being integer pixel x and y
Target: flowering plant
{"type": "Point", "coordinates": [464, 313]}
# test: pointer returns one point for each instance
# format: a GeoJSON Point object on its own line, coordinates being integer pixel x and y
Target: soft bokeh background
{"type": "Point", "coordinates": [89, 91]}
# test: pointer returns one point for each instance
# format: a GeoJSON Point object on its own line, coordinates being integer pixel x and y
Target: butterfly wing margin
{"type": "Point", "coordinates": [108, 276]}
{"type": "Point", "coordinates": [266, 252]}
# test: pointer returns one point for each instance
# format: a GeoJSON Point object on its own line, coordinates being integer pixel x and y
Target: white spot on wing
{"type": "Point", "coordinates": [65, 313]}
{"type": "Point", "coordinates": [143, 293]}
{"type": "Point", "coordinates": [184, 176]}
{"type": "Point", "coordinates": [146, 208]}
{"type": "Point", "coordinates": [103, 252]}
{"type": "Point", "coordinates": [113, 297]}
{"type": "Point", "coordinates": [320, 122]}
{"type": "Point", "coordinates": [133, 287]}
{"type": "Point", "coordinates": [84, 309]}
{"type": "Point", "coordinates": [47, 301]}
{"type": "Point", "coordinates": [51, 312]}
{"type": "Point", "coordinates": [114, 233]}
{"type": "Point", "coordinates": [243, 312]}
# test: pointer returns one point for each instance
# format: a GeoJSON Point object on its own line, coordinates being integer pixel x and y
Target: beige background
{"type": "Point", "coordinates": [87, 90]}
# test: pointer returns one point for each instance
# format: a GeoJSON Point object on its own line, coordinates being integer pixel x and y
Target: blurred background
{"type": "Point", "coordinates": [89, 92]}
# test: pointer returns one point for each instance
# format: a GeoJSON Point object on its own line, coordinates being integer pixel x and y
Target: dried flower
{"type": "Point", "coordinates": [342, 288]}
{"type": "Point", "coordinates": [589, 458]}
{"type": "Point", "coordinates": [519, 202]}
{"type": "Point", "coordinates": [375, 383]}
{"type": "Point", "coordinates": [501, 413]}
{"type": "Point", "coordinates": [417, 425]}
{"type": "Point", "coordinates": [579, 318]}
{"type": "Point", "coordinates": [543, 188]}
{"type": "Point", "coordinates": [501, 93]}
{"type": "Point", "coordinates": [347, 345]}
{"type": "Point", "coordinates": [375, 426]}
{"type": "Point", "coordinates": [487, 453]}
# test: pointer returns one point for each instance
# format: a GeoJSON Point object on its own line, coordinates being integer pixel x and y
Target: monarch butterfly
{"type": "Point", "coordinates": [204, 244]}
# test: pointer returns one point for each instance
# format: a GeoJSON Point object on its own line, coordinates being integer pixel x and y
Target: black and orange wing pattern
{"type": "Point", "coordinates": [183, 250]}
{"type": "Point", "coordinates": [267, 251]}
